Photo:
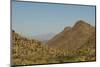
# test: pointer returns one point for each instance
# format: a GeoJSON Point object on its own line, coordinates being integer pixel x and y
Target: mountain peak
{"type": "Point", "coordinates": [81, 23]}
{"type": "Point", "coordinates": [67, 28]}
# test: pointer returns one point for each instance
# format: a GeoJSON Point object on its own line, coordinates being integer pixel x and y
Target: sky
{"type": "Point", "coordinates": [31, 18]}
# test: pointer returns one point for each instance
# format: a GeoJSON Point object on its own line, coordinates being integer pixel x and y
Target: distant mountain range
{"type": "Point", "coordinates": [44, 37]}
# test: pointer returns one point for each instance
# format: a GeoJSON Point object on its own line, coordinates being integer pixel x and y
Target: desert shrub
{"type": "Point", "coordinates": [30, 51]}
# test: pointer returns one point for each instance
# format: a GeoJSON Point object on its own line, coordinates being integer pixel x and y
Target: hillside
{"type": "Point", "coordinates": [25, 51]}
{"type": "Point", "coordinates": [80, 41]}
{"type": "Point", "coordinates": [73, 38]}
{"type": "Point", "coordinates": [88, 49]}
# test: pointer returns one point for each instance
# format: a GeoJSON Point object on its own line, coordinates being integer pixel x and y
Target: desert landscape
{"type": "Point", "coordinates": [72, 44]}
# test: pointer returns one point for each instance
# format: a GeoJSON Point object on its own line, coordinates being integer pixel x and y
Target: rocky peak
{"type": "Point", "coordinates": [67, 28]}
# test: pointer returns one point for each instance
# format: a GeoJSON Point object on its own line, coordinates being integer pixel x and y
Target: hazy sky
{"type": "Point", "coordinates": [39, 18]}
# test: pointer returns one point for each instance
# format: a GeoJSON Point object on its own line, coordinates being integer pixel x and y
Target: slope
{"type": "Point", "coordinates": [73, 38]}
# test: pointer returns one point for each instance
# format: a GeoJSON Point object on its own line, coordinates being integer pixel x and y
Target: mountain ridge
{"type": "Point", "coordinates": [74, 37]}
